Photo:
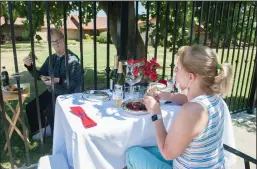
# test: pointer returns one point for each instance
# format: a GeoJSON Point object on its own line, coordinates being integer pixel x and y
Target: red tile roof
{"type": "Point", "coordinates": [70, 24]}
{"type": "Point", "coordinates": [18, 21]}
{"type": "Point", "coordinates": [101, 23]}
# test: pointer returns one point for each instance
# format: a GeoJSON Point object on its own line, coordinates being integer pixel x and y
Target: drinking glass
{"type": "Point", "coordinates": [117, 95]}
{"type": "Point", "coordinates": [132, 79]}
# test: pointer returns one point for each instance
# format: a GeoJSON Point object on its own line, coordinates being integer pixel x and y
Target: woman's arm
{"type": "Point", "coordinates": [175, 98]}
{"type": "Point", "coordinates": [190, 122]}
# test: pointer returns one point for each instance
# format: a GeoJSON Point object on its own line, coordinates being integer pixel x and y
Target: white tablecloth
{"type": "Point", "coordinates": [102, 146]}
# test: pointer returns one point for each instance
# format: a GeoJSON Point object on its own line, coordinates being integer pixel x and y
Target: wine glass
{"type": "Point", "coordinates": [131, 78]}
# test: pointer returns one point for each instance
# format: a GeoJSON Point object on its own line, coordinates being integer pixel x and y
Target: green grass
{"type": "Point", "coordinates": [41, 51]}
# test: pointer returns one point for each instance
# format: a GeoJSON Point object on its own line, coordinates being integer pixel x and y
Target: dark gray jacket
{"type": "Point", "coordinates": [59, 70]}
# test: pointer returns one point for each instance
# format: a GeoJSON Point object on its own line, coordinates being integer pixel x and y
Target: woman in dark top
{"type": "Point", "coordinates": [60, 83]}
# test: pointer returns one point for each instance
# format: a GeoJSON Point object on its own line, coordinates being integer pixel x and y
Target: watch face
{"type": "Point", "coordinates": [154, 117]}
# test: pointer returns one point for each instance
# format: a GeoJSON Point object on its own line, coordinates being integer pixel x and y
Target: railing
{"type": "Point", "coordinates": [227, 27]}
{"type": "Point", "coordinates": [247, 159]}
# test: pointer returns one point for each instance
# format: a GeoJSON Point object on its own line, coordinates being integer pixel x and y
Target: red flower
{"type": "Point", "coordinates": [142, 59]}
{"type": "Point", "coordinates": [163, 81]}
{"type": "Point", "coordinates": [136, 71]}
{"type": "Point", "coordinates": [153, 60]}
{"type": "Point", "coordinates": [130, 61]}
{"type": "Point", "coordinates": [146, 72]}
{"type": "Point", "coordinates": [157, 65]}
{"type": "Point", "coordinates": [136, 61]}
{"type": "Point", "coordinates": [148, 68]}
{"type": "Point", "coordinates": [153, 76]}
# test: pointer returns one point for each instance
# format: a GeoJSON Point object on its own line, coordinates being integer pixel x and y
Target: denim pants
{"type": "Point", "coordinates": [146, 158]}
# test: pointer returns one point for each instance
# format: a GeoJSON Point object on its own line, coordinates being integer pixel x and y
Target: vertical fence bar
{"type": "Point", "coordinates": [231, 28]}
{"type": "Point", "coordinates": [17, 76]}
{"type": "Point", "coordinates": [214, 23]}
{"type": "Point", "coordinates": [248, 50]}
{"type": "Point", "coordinates": [235, 38]}
{"type": "Point", "coordinates": [34, 71]}
{"type": "Point", "coordinates": [95, 51]}
{"type": "Point", "coordinates": [251, 60]}
{"type": "Point", "coordinates": [81, 45]}
{"type": "Point", "coordinates": [253, 87]}
{"type": "Point", "coordinates": [174, 40]}
{"type": "Point", "coordinates": [192, 23]}
{"type": "Point", "coordinates": [5, 125]}
{"type": "Point", "coordinates": [166, 37]}
{"type": "Point", "coordinates": [237, 59]}
{"type": "Point", "coordinates": [147, 28]}
{"type": "Point", "coordinates": [242, 56]}
{"type": "Point", "coordinates": [64, 3]}
{"type": "Point", "coordinates": [3, 120]}
{"type": "Point", "coordinates": [108, 48]}
{"type": "Point", "coordinates": [207, 23]}
{"type": "Point", "coordinates": [246, 61]}
{"type": "Point", "coordinates": [200, 20]}
{"type": "Point", "coordinates": [50, 53]}
{"type": "Point", "coordinates": [158, 4]}
{"type": "Point", "coordinates": [234, 47]}
{"type": "Point", "coordinates": [221, 17]}
{"type": "Point", "coordinates": [225, 38]}
{"type": "Point", "coordinates": [184, 23]}
{"type": "Point", "coordinates": [247, 164]}
{"type": "Point", "coordinates": [136, 30]}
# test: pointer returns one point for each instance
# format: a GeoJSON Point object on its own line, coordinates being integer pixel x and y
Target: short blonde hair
{"type": "Point", "coordinates": [203, 61]}
{"type": "Point", "coordinates": [57, 32]}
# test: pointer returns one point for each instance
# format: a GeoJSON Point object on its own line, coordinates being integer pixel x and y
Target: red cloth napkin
{"type": "Point", "coordinates": [87, 121]}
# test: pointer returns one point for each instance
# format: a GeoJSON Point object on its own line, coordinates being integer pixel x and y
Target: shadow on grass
{"type": "Point", "coordinates": [18, 149]}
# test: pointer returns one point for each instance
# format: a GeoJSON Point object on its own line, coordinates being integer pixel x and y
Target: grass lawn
{"type": "Point", "coordinates": [41, 51]}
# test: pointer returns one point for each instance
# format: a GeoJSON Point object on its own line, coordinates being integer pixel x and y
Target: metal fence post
{"type": "Point", "coordinates": [253, 90]}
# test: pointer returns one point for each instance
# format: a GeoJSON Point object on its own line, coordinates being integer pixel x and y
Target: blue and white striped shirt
{"type": "Point", "coordinates": [206, 150]}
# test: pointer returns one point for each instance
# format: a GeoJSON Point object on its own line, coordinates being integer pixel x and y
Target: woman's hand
{"type": "Point", "coordinates": [152, 105]}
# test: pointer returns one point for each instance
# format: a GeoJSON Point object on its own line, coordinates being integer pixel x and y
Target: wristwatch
{"type": "Point", "coordinates": [156, 117]}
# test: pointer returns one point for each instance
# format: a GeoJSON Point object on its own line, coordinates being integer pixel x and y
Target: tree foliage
{"type": "Point", "coordinates": [219, 27]}
{"type": "Point", "coordinates": [215, 29]}
{"type": "Point", "coordinates": [20, 9]}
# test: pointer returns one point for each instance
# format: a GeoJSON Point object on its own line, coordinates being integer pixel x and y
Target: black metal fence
{"type": "Point", "coordinates": [229, 28]}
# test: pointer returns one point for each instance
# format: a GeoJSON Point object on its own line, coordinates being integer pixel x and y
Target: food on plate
{"type": "Point", "coordinates": [13, 89]}
{"type": "Point", "coordinates": [151, 90]}
{"type": "Point", "coordinates": [136, 105]}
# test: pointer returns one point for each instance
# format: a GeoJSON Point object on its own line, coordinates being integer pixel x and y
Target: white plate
{"type": "Point", "coordinates": [138, 113]}
{"type": "Point", "coordinates": [22, 86]}
{"type": "Point", "coordinates": [160, 86]}
{"type": "Point", "coordinates": [95, 95]}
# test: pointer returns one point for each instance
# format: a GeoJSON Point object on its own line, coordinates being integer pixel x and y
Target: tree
{"type": "Point", "coordinates": [218, 28]}
{"type": "Point", "coordinates": [211, 27]}
{"type": "Point", "coordinates": [56, 17]}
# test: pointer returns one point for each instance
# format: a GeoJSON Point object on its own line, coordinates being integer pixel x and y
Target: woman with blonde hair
{"type": "Point", "coordinates": [194, 139]}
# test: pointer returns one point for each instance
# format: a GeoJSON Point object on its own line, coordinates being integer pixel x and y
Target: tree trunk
{"type": "Point", "coordinates": [114, 12]}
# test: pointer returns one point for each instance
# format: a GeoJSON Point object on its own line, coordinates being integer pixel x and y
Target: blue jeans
{"type": "Point", "coordinates": [146, 158]}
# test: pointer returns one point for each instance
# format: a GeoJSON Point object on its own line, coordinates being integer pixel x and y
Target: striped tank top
{"type": "Point", "coordinates": [206, 149]}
